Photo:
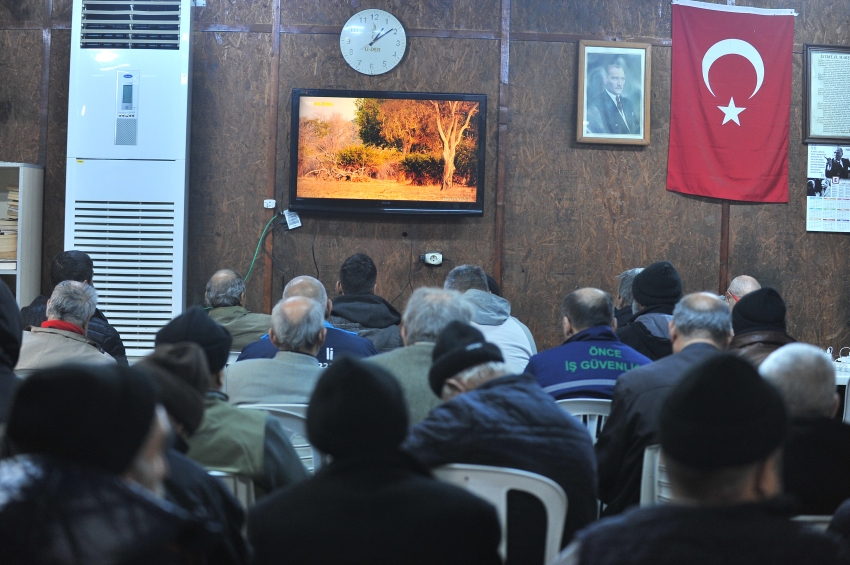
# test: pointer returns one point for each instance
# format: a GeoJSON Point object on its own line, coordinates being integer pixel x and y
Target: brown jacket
{"type": "Point", "coordinates": [756, 346]}
{"type": "Point", "coordinates": [47, 347]}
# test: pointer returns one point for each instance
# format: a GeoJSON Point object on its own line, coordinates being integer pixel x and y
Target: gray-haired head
{"type": "Point", "coordinates": [306, 286]}
{"type": "Point", "coordinates": [624, 289]}
{"type": "Point", "coordinates": [465, 277]}
{"type": "Point", "coordinates": [743, 285]}
{"type": "Point", "coordinates": [73, 302]}
{"type": "Point", "coordinates": [297, 324]}
{"type": "Point", "coordinates": [703, 315]}
{"type": "Point", "coordinates": [805, 376]}
{"type": "Point", "coordinates": [429, 310]}
{"type": "Point", "coordinates": [225, 288]}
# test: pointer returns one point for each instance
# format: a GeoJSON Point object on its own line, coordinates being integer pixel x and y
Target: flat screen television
{"type": "Point", "coordinates": [387, 152]}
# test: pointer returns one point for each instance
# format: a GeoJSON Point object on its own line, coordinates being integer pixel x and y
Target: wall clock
{"type": "Point", "coordinates": [373, 42]}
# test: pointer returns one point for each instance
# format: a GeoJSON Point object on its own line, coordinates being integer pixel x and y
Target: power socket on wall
{"type": "Point", "coordinates": [432, 258]}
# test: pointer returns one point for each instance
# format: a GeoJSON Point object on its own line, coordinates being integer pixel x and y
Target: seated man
{"type": "Point", "coordinates": [740, 286]}
{"type": "Point", "coordinates": [722, 431]}
{"type": "Point", "coordinates": [623, 311]}
{"type": "Point", "coordinates": [588, 363]}
{"type": "Point", "coordinates": [491, 315]}
{"type": "Point", "coordinates": [77, 266]}
{"type": "Point", "coordinates": [85, 468]}
{"type": "Point", "coordinates": [758, 320]}
{"type": "Point", "coordinates": [225, 296]}
{"type": "Point", "coordinates": [337, 342]}
{"type": "Point", "coordinates": [359, 309]}
{"type": "Point", "coordinates": [298, 332]}
{"type": "Point", "coordinates": [373, 503]}
{"type": "Point", "coordinates": [428, 312]}
{"type": "Point", "coordinates": [656, 290]}
{"type": "Point", "coordinates": [11, 333]}
{"type": "Point", "coordinates": [62, 337]}
{"type": "Point", "coordinates": [492, 417]}
{"type": "Point", "coordinates": [247, 442]}
{"type": "Point", "coordinates": [816, 462]}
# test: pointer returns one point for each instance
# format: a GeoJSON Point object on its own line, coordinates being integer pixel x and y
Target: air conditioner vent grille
{"type": "Point", "coordinates": [132, 247]}
{"type": "Point", "coordinates": [130, 24]}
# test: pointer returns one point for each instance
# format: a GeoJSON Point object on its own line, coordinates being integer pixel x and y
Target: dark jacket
{"type": "Point", "coordinates": [100, 330]}
{"type": "Point", "coordinates": [633, 424]}
{"type": "Point", "coordinates": [510, 422]}
{"type": "Point", "coordinates": [674, 534]}
{"type": "Point", "coordinates": [604, 117]}
{"type": "Point", "coordinates": [191, 488]}
{"type": "Point", "coordinates": [647, 332]}
{"type": "Point", "coordinates": [756, 346]}
{"type": "Point", "coordinates": [368, 316]}
{"type": "Point", "coordinates": [817, 464]}
{"type": "Point", "coordinates": [375, 509]}
{"type": "Point", "coordinates": [64, 514]}
{"type": "Point", "coordinates": [337, 342]}
{"type": "Point", "coordinates": [11, 334]}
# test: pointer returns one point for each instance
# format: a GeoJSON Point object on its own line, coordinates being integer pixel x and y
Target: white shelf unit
{"type": "Point", "coordinates": [30, 182]}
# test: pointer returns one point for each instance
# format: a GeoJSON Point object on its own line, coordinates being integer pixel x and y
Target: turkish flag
{"type": "Point", "coordinates": [730, 102]}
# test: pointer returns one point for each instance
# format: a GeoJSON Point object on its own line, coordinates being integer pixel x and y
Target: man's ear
{"type": "Point", "coordinates": [328, 308]}
{"type": "Point", "coordinates": [322, 335]}
{"type": "Point", "coordinates": [671, 329]}
{"type": "Point", "coordinates": [242, 299]}
{"type": "Point", "coordinates": [451, 388]}
{"type": "Point", "coordinates": [338, 288]}
{"type": "Point", "coordinates": [403, 332]}
{"type": "Point", "coordinates": [614, 323]}
{"type": "Point", "coordinates": [218, 378]}
{"type": "Point", "coordinates": [567, 326]}
{"type": "Point", "coordinates": [272, 337]}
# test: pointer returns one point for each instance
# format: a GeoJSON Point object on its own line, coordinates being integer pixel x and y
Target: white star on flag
{"type": "Point", "coordinates": [731, 112]}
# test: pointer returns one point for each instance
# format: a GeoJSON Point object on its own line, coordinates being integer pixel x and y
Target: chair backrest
{"type": "Point", "coordinates": [654, 485]}
{"type": "Point", "coordinates": [493, 484]}
{"type": "Point", "coordinates": [591, 411]}
{"type": "Point", "coordinates": [846, 403]}
{"type": "Point", "coordinates": [241, 486]}
{"type": "Point", "coordinates": [817, 522]}
{"type": "Point", "coordinates": [293, 418]}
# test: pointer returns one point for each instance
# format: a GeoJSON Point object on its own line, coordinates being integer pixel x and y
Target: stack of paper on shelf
{"type": "Point", "coordinates": [13, 198]}
{"type": "Point", "coordinates": [9, 245]}
{"type": "Point", "coordinates": [9, 230]}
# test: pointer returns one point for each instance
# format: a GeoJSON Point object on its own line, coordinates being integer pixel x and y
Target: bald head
{"type": "Point", "coordinates": [741, 286]}
{"type": "Point", "coordinates": [586, 308]}
{"type": "Point", "coordinates": [308, 287]}
{"type": "Point", "coordinates": [805, 376]}
{"type": "Point", "coordinates": [297, 325]}
{"type": "Point", "coordinates": [225, 288]}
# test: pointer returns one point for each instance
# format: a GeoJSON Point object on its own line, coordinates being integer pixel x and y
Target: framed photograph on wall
{"type": "Point", "coordinates": [825, 115]}
{"type": "Point", "coordinates": [613, 92]}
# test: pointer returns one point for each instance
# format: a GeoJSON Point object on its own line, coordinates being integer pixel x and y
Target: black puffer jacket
{"type": "Point", "coordinates": [11, 333]}
{"type": "Point", "coordinates": [369, 316]}
{"type": "Point", "coordinates": [100, 330]}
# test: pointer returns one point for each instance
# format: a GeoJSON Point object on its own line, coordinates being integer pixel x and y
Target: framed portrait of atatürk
{"type": "Point", "coordinates": [826, 118]}
{"type": "Point", "coordinates": [613, 92]}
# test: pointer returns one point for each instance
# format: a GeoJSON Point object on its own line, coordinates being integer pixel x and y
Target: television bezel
{"type": "Point", "coordinates": [344, 205]}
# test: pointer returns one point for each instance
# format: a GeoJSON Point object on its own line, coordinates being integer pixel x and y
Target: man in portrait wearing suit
{"type": "Point", "coordinates": [838, 167]}
{"type": "Point", "coordinates": [610, 111]}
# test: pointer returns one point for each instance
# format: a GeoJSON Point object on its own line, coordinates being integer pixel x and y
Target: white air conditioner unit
{"type": "Point", "coordinates": [127, 170]}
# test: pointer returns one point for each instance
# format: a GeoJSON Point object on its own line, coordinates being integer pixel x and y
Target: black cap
{"type": "Point", "coordinates": [722, 414]}
{"type": "Point", "coordinates": [759, 310]}
{"type": "Point", "coordinates": [196, 326]}
{"type": "Point", "coordinates": [93, 415]}
{"type": "Point", "coordinates": [356, 408]}
{"type": "Point", "coordinates": [460, 347]}
{"type": "Point", "coordinates": [659, 283]}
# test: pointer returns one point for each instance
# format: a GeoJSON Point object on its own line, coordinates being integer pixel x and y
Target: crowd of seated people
{"type": "Point", "coordinates": [101, 462]}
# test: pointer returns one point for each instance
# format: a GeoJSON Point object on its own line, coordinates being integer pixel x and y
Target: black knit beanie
{"type": "Point", "coordinates": [356, 408]}
{"type": "Point", "coordinates": [722, 414]}
{"type": "Point", "coordinates": [459, 347]}
{"type": "Point", "coordinates": [196, 326]}
{"type": "Point", "coordinates": [659, 283]}
{"type": "Point", "coordinates": [760, 310]}
{"type": "Point", "coordinates": [92, 415]}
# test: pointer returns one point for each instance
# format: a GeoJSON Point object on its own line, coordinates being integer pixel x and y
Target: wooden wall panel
{"type": "Point", "coordinates": [619, 18]}
{"type": "Point", "coordinates": [427, 14]}
{"type": "Point", "coordinates": [20, 94]}
{"type": "Point", "coordinates": [436, 65]}
{"type": "Point", "coordinates": [579, 214]}
{"type": "Point", "coordinates": [21, 11]}
{"type": "Point", "coordinates": [230, 101]}
{"type": "Point", "coordinates": [234, 12]}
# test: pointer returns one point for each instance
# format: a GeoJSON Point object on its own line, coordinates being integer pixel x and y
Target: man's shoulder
{"type": "Point", "coordinates": [349, 340]}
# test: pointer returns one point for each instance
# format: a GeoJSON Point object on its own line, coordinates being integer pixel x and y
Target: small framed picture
{"type": "Point", "coordinates": [613, 92]}
{"type": "Point", "coordinates": [825, 116]}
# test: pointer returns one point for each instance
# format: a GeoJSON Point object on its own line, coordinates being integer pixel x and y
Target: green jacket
{"type": "Point", "coordinates": [245, 327]}
{"type": "Point", "coordinates": [410, 365]}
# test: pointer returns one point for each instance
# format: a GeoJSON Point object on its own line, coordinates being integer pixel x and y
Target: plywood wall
{"type": "Point", "coordinates": [574, 215]}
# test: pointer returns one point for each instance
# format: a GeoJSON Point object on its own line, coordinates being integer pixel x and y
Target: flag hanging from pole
{"type": "Point", "coordinates": [730, 101]}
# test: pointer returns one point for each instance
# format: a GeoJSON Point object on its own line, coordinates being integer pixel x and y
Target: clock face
{"type": "Point", "coordinates": [373, 42]}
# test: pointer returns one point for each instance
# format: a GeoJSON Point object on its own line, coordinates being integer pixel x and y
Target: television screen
{"type": "Point", "coordinates": [387, 152]}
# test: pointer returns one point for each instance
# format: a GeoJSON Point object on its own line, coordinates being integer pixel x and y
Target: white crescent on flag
{"type": "Point", "coordinates": [733, 47]}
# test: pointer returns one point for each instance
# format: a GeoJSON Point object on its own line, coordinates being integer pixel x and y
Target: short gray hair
{"type": "Point", "coordinates": [306, 286]}
{"type": "Point", "coordinates": [297, 323]}
{"type": "Point", "coordinates": [624, 290]}
{"type": "Point", "coordinates": [805, 376]}
{"type": "Point", "coordinates": [429, 310]}
{"type": "Point", "coordinates": [743, 285]}
{"type": "Point", "coordinates": [224, 288]}
{"type": "Point", "coordinates": [465, 277]}
{"type": "Point", "coordinates": [703, 315]}
{"type": "Point", "coordinates": [72, 302]}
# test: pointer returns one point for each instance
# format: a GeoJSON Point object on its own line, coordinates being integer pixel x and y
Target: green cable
{"type": "Point", "coordinates": [259, 243]}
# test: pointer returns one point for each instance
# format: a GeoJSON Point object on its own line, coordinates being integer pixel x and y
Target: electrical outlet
{"type": "Point", "coordinates": [269, 203]}
{"type": "Point", "coordinates": [432, 258]}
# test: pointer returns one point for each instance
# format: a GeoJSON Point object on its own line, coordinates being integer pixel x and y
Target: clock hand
{"type": "Point", "coordinates": [380, 35]}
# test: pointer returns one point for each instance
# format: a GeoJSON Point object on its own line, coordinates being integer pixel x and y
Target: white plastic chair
{"type": "Point", "coordinates": [591, 411]}
{"type": "Point", "coordinates": [241, 486]}
{"type": "Point", "coordinates": [293, 417]}
{"type": "Point", "coordinates": [819, 523]}
{"type": "Point", "coordinates": [654, 483]}
{"type": "Point", "coordinates": [493, 484]}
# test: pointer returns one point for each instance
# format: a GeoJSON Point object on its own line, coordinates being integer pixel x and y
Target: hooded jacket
{"type": "Point", "coordinates": [648, 333]}
{"type": "Point", "coordinates": [368, 316]}
{"type": "Point", "coordinates": [11, 334]}
{"type": "Point", "coordinates": [492, 317]}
